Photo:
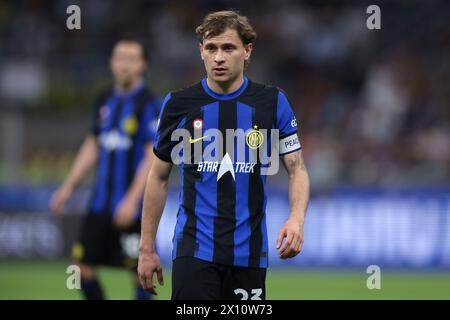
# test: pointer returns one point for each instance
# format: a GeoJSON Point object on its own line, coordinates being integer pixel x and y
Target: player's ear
{"type": "Point", "coordinates": [248, 50]}
{"type": "Point", "coordinates": [200, 47]}
{"type": "Point", "coordinates": [144, 66]}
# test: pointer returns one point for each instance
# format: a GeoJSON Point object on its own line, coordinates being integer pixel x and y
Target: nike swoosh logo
{"type": "Point", "coordinates": [197, 139]}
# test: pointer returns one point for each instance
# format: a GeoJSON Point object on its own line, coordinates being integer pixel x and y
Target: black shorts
{"type": "Point", "coordinates": [101, 243]}
{"type": "Point", "coordinates": [195, 279]}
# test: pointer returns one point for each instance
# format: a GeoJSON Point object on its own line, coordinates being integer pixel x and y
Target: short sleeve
{"type": "Point", "coordinates": [287, 126]}
{"type": "Point", "coordinates": [150, 120]}
{"type": "Point", "coordinates": [168, 121]}
{"type": "Point", "coordinates": [96, 117]}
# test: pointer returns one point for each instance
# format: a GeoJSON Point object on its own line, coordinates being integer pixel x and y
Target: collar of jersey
{"type": "Point", "coordinates": [131, 93]}
{"type": "Point", "coordinates": [227, 96]}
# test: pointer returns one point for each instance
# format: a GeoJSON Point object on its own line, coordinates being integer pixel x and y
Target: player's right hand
{"type": "Point", "coordinates": [59, 199]}
{"type": "Point", "coordinates": [149, 263]}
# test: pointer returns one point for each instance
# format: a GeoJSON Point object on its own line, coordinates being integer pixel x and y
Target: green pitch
{"type": "Point", "coordinates": [47, 280]}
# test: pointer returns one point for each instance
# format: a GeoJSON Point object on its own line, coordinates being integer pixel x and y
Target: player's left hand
{"type": "Point", "coordinates": [292, 232]}
{"type": "Point", "coordinates": [126, 213]}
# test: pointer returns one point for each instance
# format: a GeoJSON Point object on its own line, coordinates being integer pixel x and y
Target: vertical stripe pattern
{"type": "Point", "coordinates": [225, 219]}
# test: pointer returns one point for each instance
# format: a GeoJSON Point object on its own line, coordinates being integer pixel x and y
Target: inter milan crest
{"type": "Point", "coordinates": [254, 138]}
{"type": "Point", "coordinates": [130, 125]}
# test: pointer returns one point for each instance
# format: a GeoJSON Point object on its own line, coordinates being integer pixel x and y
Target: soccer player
{"type": "Point", "coordinates": [120, 143]}
{"type": "Point", "coordinates": [220, 245]}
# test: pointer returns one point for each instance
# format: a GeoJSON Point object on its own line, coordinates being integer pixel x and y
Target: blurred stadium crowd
{"type": "Point", "coordinates": [373, 105]}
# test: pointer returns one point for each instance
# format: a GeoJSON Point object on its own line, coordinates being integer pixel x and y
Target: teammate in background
{"type": "Point", "coordinates": [120, 143]}
{"type": "Point", "coordinates": [220, 245]}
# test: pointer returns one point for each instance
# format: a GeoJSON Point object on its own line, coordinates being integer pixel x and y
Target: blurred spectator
{"type": "Point", "coordinates": [373, 106]}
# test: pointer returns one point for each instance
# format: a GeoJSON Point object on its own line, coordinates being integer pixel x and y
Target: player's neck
{"type": "Point", "coordinates": [225, 87]}
{"type": "Point", "coordinates": [129, 87]}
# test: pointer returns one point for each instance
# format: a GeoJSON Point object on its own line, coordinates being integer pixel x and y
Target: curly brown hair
{"type": "Point", "coordinates": [215, 23]}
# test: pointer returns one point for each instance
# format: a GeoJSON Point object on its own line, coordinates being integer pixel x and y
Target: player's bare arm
{"type": "Point", "coordinates": [85, 160]}
{"type": "Point", "coordinates": [154, 200]}
{"type": "Point", "coordinates": [126, 211]}
{"type": "Point", "coordinates": [292, 230]}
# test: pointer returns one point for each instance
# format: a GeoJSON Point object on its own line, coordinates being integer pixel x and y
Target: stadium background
{"type": "Point", "coordinates": [373, 108]}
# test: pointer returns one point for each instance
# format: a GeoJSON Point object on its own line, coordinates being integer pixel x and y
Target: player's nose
{"type": "Point", "coordinates": [219, 57]}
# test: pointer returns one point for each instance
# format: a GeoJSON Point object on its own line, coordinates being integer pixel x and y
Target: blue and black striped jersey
{"type": "Point", "coordinates": [223, 167]}
{"type": "Point", "coordinates": [123, 124]}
